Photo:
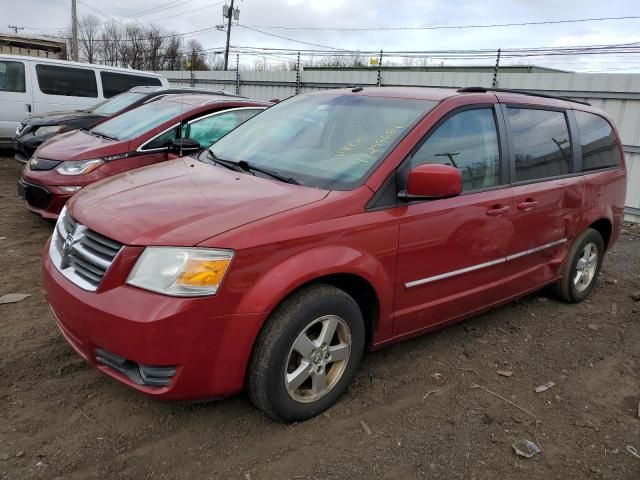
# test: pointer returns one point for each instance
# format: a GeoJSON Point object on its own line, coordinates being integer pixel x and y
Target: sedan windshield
{"type": "Point", "coordinates": [326, 141]}
{"type": "Point", "coordinates": [116, 104]}
{"type": "Point", "coordinates": [140, 120]}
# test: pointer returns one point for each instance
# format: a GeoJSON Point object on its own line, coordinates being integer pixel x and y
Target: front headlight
{"type": "Point", "coordinates": [181, 272]}
{"type": "Point", "coordinates": [78, 167]}
{"type": "Point", "coordinates": [48, 130]}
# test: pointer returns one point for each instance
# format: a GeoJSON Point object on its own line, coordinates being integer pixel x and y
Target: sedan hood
{"type": "Point", "coordinates": [182, 202]}
{"type": "Point", "coordinates": [80, 145]}
{"type": "Point", "coordinates": [62, 118]}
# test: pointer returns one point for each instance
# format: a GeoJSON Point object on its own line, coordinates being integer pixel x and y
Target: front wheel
{"type": "Point", "coordinates": [582, 267]}
{"type": "Point", "coordinates": [306, 354]}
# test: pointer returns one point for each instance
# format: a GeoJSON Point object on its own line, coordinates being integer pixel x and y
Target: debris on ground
{"type": "Point", "coordinates": [14, 297]}
{"type": "Point", "coordinates": [544, 387]}
{"type": "Point", "coordinates": [636, 296]}
{"type": "Point", "coordinates": [614, 308]}
{"type": "Point", "coordinates": [593, 326]}
{"type": "Point", "coordinates": [428, 393]}
{"type": "Point", "coordinates": [504, 373]}
{"type": "Point", "coordinates": [611, 281]}
{"type": "Point", "coordinates": [526, 448]}
{"type": "Point", "coordinates": [633, 451]}
{"type": "Point", "coordinates": [365, 427]}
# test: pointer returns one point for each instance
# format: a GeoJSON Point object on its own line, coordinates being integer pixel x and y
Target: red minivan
{"type": "Point", "coordinates": [143, 136]}
{"type": "Point", "coordinates": [332, 223]}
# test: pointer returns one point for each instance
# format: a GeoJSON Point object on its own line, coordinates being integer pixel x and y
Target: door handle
{"type": "Point", "coordinates": [497, 210]}
{"type": "Point", "coordinates": [28, 107]}
{"type": "Point", "coordinates": [528, 204]}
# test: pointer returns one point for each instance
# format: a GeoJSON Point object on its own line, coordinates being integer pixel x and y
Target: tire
{"type": "Point", "coordinates": [282, 356]}
{"type": "Point", "coordinates": [579, 274]}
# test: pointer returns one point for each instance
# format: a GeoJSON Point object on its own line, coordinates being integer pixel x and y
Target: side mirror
{"type": "Point", "coordinates": [184, 146]}
{"type": "Point", "coordinates": [432, 181]}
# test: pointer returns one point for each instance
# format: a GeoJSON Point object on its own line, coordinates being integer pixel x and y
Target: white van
{"type": "Point", "coordinates": [41, 85]}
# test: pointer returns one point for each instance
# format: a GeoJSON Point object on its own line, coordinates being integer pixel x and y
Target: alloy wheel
{"type": "Point", "coordinates": [586, 267]}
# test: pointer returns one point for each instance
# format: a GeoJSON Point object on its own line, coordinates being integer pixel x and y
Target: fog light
{"type": "Point", "coordinates": [69, 188]}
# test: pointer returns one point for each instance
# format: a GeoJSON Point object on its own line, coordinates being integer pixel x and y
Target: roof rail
{"type": "Point", "coordinates": [522, 92]}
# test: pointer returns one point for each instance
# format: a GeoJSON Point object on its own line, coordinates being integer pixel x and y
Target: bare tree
{"type": "Point", "coordinates": [88, 36]}
{"type": "Point", "coordinates": [154, 45]}
{"type": "Point", "coordinates": [196, 56]}
{"type": "Point", "coordinates": [173, 53]}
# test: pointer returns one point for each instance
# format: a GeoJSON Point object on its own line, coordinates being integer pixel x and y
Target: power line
{"type": "Point", "coordinates": [444, 27]}
{"type": "Point", "coordinates": [159, 8]}
{"type": "Point", "coordinates": [289, 39]}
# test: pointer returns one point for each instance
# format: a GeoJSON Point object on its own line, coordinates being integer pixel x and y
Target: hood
{"type": "Point", "coordinates": [62, 118]}
{"type": "Point", "coordinates": [80, 145]}
{"type": "Point", "coordinates": [182, 203]}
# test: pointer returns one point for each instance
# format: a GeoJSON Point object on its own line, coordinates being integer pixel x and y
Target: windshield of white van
{"type": "Point", "coordinates": [140, 120]}
{"type": "Point", "coordinates": [116, 104]}
{"type": "Point", "coordinates": [330, 141]}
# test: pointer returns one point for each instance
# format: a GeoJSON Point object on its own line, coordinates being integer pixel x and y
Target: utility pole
{"type": "Point", "coordinates": [74, 31]}
{"type": "Point", "coordinates": [226, 50]}
{"type": "Point", "coordinates": [15, 28]}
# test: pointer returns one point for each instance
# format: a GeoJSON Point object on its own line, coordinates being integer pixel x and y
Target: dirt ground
{"type": "Point", "coordinates": [413, 411]}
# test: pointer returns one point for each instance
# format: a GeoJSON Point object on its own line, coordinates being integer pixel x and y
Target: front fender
{"type": "Point", "coordinates": [304, 267]}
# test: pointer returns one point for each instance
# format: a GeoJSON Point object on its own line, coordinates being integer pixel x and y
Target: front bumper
{"type": "Point", "coordinates": [208, 353]}
{"type": "Point", "coordinates": [45, 201]}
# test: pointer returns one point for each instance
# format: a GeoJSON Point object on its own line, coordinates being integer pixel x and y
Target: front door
{"type": "Point", "coordinates": [452, 251]}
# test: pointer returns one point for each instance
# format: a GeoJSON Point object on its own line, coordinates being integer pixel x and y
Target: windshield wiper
{"type": "Point", "coordinates": [100, 134]}
{"type": "Point", "coordinates": [245, 166]}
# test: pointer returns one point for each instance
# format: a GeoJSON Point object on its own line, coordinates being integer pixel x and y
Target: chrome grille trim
{"type": "Point", "coordinates": [87, 255]}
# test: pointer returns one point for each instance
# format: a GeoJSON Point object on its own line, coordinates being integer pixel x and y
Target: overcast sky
{"type": "Point", "coordinates": [46, 16]}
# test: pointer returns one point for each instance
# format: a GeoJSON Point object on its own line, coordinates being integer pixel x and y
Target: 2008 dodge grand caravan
{"type": "Point", "coordinates": [331, 223]}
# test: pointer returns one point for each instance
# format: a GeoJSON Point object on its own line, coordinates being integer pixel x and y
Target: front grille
{"type": "Point", "coordinates": [35, 195]}
{"type": "Point", "coordinates": [82, 255]}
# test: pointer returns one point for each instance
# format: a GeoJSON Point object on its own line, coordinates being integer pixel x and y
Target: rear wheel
{"type": "Point", "coordinates": [582, 267]}
{"type": "Point", "coordinates": [307, 354]}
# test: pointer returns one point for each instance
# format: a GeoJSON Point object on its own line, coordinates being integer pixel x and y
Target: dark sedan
{"type": "Point", "coordinates": [33, 131]}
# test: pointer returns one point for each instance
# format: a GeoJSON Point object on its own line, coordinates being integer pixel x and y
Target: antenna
{"type": "Point", "coordinates": [15, 28]}
{"type": "Point", "coordinates": [182, 101]}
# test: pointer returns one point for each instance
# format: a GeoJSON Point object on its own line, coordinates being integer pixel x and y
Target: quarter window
{"type": "Point", "coordinates": [468, 141]}
{"type": "Point", "coordinates": [599, 144]}
{"type": "Point", "coordinates": [540, 142]}
{"type": "Point", "coordinates": [71, 82]}
{"type": "Point", "coordinates": [12, 77]}
{"type": "Point", "coordinates": [115, 83]}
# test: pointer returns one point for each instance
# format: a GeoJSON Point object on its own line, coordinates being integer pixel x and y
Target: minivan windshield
{"type": "Point", "coordinates": [328, 141]}
{"type": "Point", "coordinates": [140, 120]}
{"type": "Point", "coordinates": [116, 104]}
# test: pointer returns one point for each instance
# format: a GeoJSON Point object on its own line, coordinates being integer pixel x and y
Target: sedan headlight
{"type": "Point", "coordinates": [78, 167]}
{"type": "Point", "coordinates": [181, 272]}
{"type": "Point", "coordinates": [48, 130]}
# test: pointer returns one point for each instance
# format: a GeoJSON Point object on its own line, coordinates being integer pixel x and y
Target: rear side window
{"type": "Point", "coordinates": [115, 83]}
{"type": "Point", "coordinates": [70, 82]}
{"type": "Point", "coordinates": [468, 141]}
{"type": "Point", "coordinates": [541, 145]}
{"type": "Point", "coordinates": [599, 144]}
{"type": "Point", "coordinates": [12, 77]}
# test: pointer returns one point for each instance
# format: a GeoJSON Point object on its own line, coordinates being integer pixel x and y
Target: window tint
{"type": "Point", "coordinates": [211, 129]}
{"type": "Point", "coordinates": [540, 142]}
{"type": "Point", "coordinates": [12, 77]}
{"type": "Point", "coordinates": [72, 82]}
{"type": "Point", "coordinates": [468, 141]}
{"type": "Point", "coordinates": [115, 83]}
{"type": "Point", "coordinates": [599, 144]}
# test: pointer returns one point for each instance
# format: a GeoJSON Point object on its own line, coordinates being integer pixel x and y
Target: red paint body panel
{"type": "Point", "coordinates": [430, 263]}
{"type": "Point", "coordinates": [80, 145]}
